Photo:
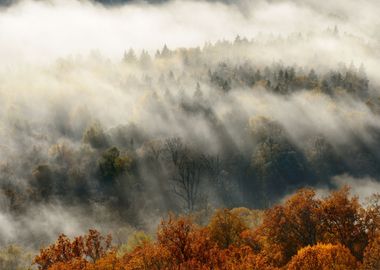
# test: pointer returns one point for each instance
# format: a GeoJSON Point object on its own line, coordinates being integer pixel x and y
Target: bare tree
{"type": "Point", "coordinates": [154, 149]}
{"type": "Point", "coordinates": [175, 148]}
{"type": "Point", "coordinates": [188, 172]}
{"type": "Point", "coordinates": [214, 168]}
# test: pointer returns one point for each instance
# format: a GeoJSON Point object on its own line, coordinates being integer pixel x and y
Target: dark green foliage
{"type": "Point", "coordinates": [112, 164]}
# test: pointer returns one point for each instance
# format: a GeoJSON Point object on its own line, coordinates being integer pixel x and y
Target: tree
{"type": "Point", "coordinates": [278, 165]}
{"type": "Point", "coordinates": [130, 57]}
{"type": "Point", "coordinates": [145, 59]}
{"type": "Point", "coordinates": [149, 256]}
{"type": "Point", "coordinates": [340, 221]}
{"type": "Point", "coordinates": [82, 249]}
{"type": "Point", "coordinates": [187, 181]}
{"type": "Point", "coordinates": [371, 215]}
{"type": "Point", "coordinates": [214, 168]}
{"type": "Point", "coordinates": [43, 177]}
{"type": "Point", "coordinates": [291, 226]}
{"type": "Point", "coordinates": [225, 228]}
{"type": "Point", "coordinates": [95, 136]}
{"type": "Point", "coordinates": [312, 79]}
{"type": "Point", "coordinates": [371, 259]}
{"type": "Point", "coordinates": [154, 149]}
{"type": "Point", "coordinates": [185, 241]}
{"type": "Point", "coordinates": [188, 168]}
{"type": "Point", "coordinates": [322, 158]}
{"type": "Point", "coordinates": [113, 164]}
{"type": "Point", "coordinates": [175, 234]}
{"type": "Point", "coordinates": [165, 53]}
{"type": "Point", "coordinates": [323, 257]}
{"type": "Point", "coordinates": [175, 149]}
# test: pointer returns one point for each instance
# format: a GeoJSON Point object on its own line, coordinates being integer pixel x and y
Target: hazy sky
{"type": "Point", "coordinates": [36, 31]}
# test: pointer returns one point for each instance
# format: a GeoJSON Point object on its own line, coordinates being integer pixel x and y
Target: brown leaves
{"type": "Point", "coordinates": [90, 247]}
{"type": "Point", "coordinates": [291, 226]}
{"type": "Point", "coordinates": [371, 258]}
{"type": "Point", "coordinates": [341, 221]}
{"type": "Point", "coordinates": [305, 233]}
{"type": "Point", "coordinates": [323, 257]}
{"type": "Point", "coordinates": [225, 228]}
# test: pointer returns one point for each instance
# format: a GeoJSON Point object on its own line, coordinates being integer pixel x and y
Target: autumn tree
{"type": "Point", "coordinates": [79, 251]}
{"type": "Point", "coordinates": [371, 215]}
{"type": "Point", "coordinates": [225, 228]}
{"type": "Point", "coordinates": [239, 258]}
{"type": "Point", "coordinates": [291, 226]}
{"type": "Point", "coordinates": [176, 235]}
{"type": "Point", "coordinates": [340, 221]}
{"type": "Point", "coordinates": [149, 256]}
{"type": "Point", "coordinates": [323, 257]}
{"type": "Point", "coordinates": [371, 259]}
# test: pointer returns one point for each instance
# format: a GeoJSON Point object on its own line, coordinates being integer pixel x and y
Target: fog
{"type": "Point", "coordinates": [70, 90]}
{"type": "Point", "coordinates": [38, 31]}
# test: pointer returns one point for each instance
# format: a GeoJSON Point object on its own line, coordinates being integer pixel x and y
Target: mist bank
{"type": "Point", "coordinates": [41, 31]}
{"type": "Point", "coordinates": [188, 130]}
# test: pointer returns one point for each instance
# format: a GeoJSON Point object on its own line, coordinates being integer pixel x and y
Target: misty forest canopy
{"type": "Point", "coordinates": [249, 141]}
{"type": "Point", "coordinates": [184, 130]}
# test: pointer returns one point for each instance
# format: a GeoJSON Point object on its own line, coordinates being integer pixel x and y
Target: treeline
{"type": "Point", "coordinates": [305, 232]}
{"type": "Point", "coordinates": [286, 80]}
{"type": "Point", "coordinates": [203, 132]}
{"type": "Point", "coordinates": [129, 168]}
{"type": "Point", "coordinates": [236, 69]}
{"type": "Point", "coordinates": [172, 174]}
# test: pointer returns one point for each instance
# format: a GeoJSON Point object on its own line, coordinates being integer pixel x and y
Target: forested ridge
{"type": "Point", "coordinates": [209, 140]}
{"type": "Point", "coordinates": [198, 127]}
{"type": "Point", "coordinates": [189, 134]}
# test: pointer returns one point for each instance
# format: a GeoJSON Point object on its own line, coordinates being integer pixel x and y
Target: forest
{"type": "Point", "coordinates": [219, 169]}
{"type": "Point", "coordinates": [190, 148]}
{"type": "Point", "coordinates": [305, 232]}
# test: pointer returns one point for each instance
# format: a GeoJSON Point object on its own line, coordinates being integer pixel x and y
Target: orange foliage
{"type": "Point", "coordinates": [148, 256]}
{"type": "Point", "coordinates": [289, 227]}
{"type": "Point", "coordinates": [225, 228]}
{"type": "Point", "coordinates": [372, 215]}
{"type": "Point", "coordinates": [184, 240]}
{"type": "Point", "coordinates": [340, 221]}
{"type": "Point", "coordinates": [90, 247]}
{"type": "Point", "coordinates": [323, 257]}
{"type": "Point", "coordinates": [304, 233]}
{"type": "Point", "coordinates": [74, 264]}
{"type": "Point", "coordinates": [371, 258]}
{"type": "Point", "coordinates": [239, 258]}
